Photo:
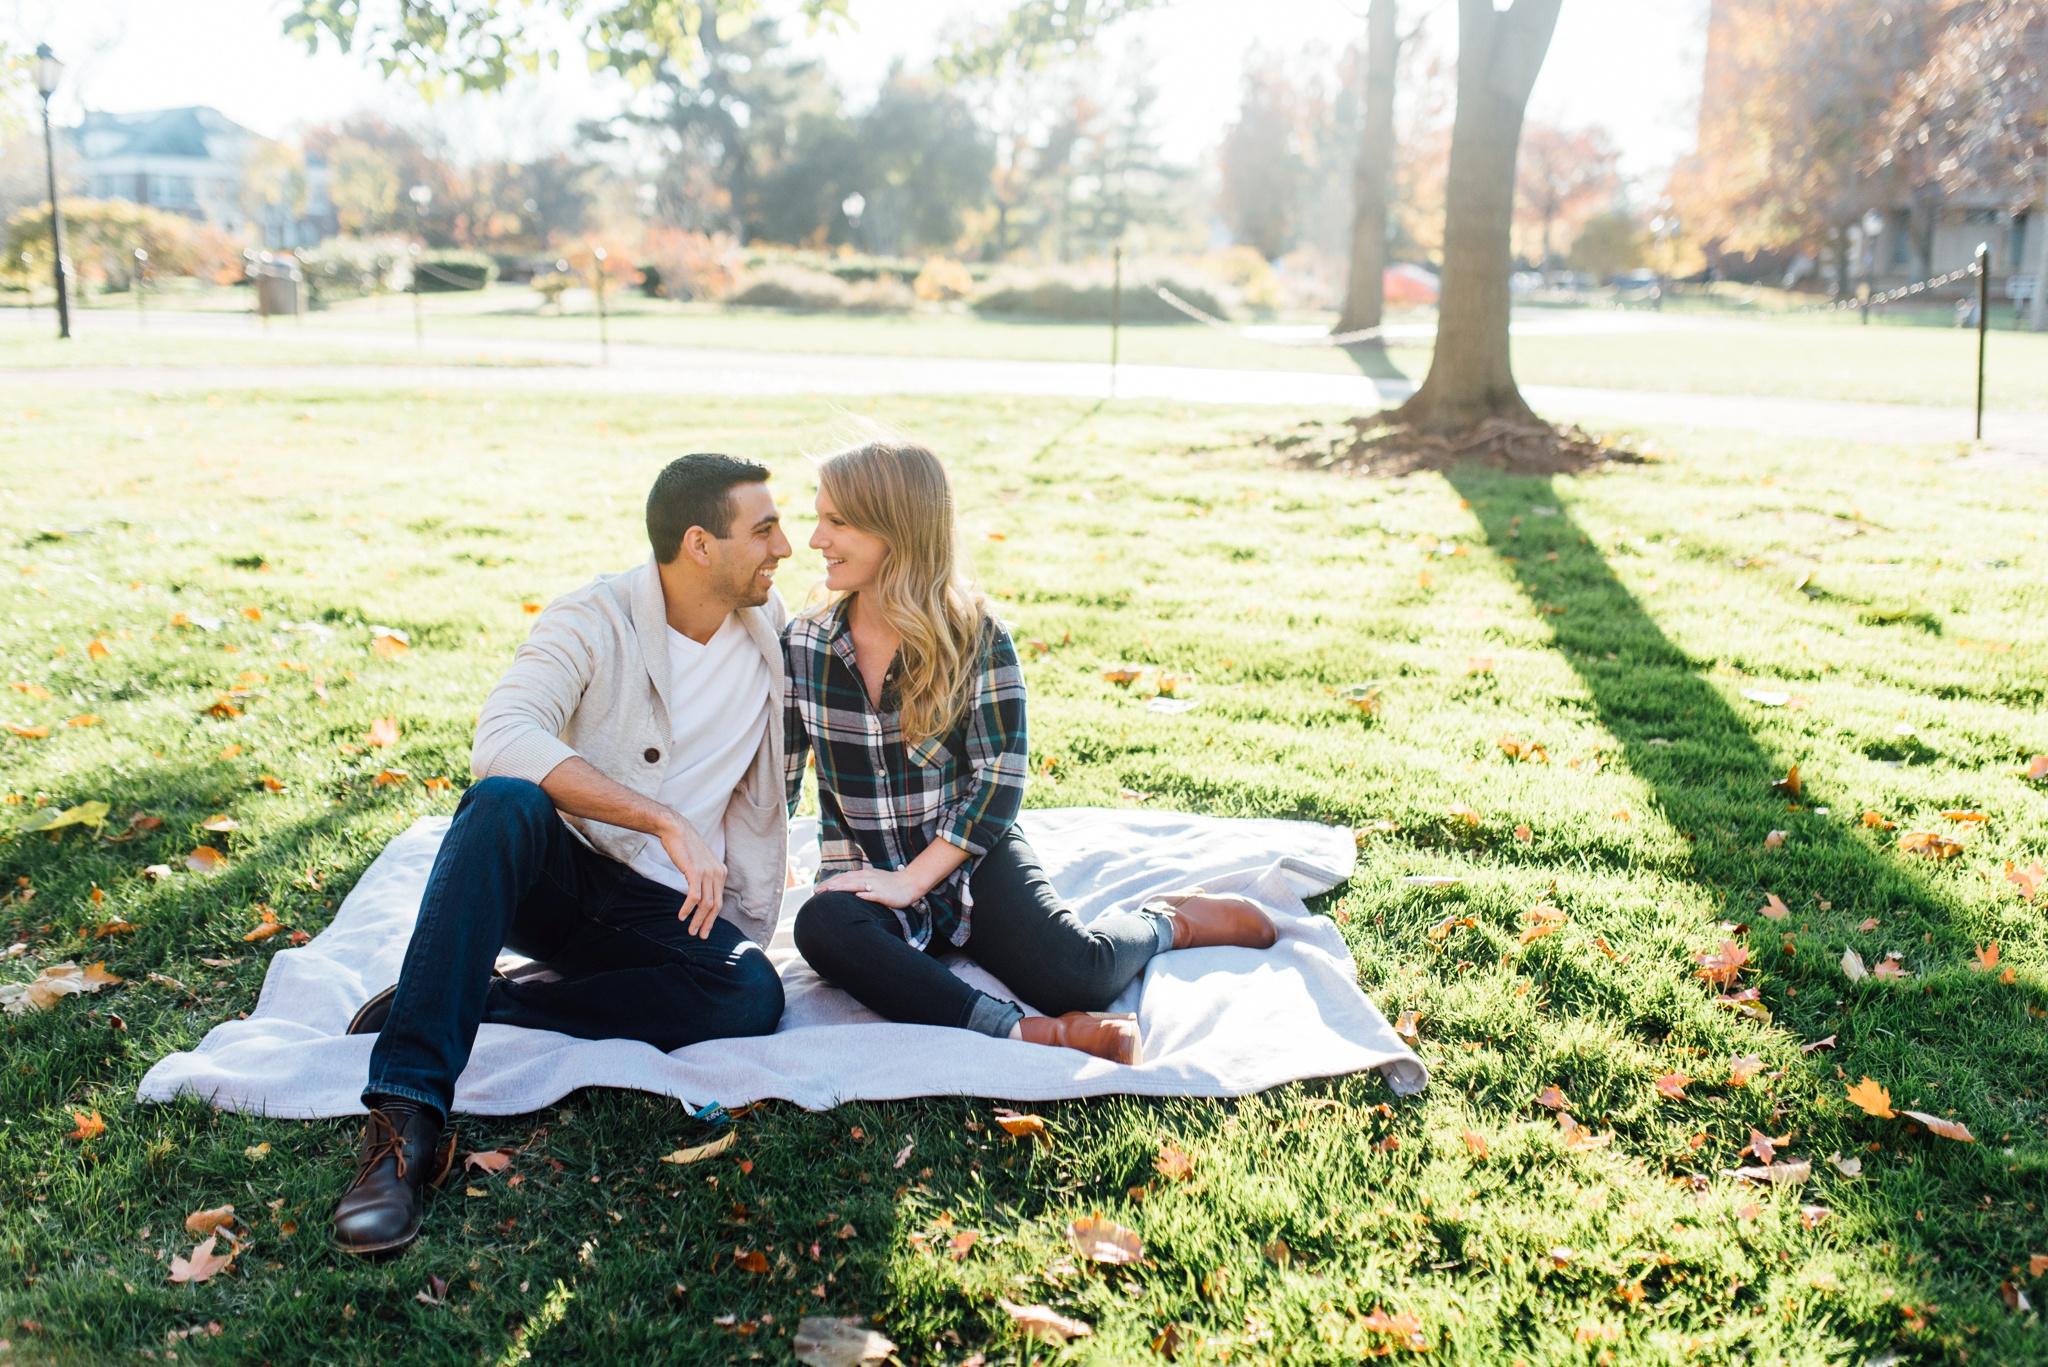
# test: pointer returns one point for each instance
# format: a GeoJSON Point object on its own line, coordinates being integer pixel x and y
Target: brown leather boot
{"type": "Point", "coordinates": [402, 1155]}
{"type": "Point", "coordinates": [1203, 920]}
{"type": "Point", "coordinates": [1105, 1036]}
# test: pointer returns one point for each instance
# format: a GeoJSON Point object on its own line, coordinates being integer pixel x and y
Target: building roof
{"type": "Point", "coordinates": [196, 132]}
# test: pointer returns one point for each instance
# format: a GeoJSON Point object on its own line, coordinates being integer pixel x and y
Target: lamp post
{"type": "Point", "coordinates": [49, 71]}
{"type": "Point", "coordinates": [141, 269]}
{"type": "Point", "coordinates": [604, 341]}
{"type": "Point", "coordinates": [1873, 224]}
{"type": "Point", "coordinates": [853, 206]}
{"type": "Point", "coordinates": [421, 196]}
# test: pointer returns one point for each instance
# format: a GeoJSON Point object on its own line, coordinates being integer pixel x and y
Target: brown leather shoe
{"type": "Point", "coordinates": [1105, 1036]}
{"type": "Point", "coordinates": [402, 1155]}
{"type": "Point", "coordinates": [1203, 920]}
{"type": "Point", "coordinates": [369, 1020]}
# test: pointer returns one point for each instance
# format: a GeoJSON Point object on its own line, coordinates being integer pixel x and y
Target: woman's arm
{"type": "Point", "coordinates": [900, 887]}
{"type": "Point", "coordinates": [998, 752]}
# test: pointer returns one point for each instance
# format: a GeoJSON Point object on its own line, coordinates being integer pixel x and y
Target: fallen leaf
{"type": "Point", "coordinates": [1579, 1138]}
{"type": "Point", "coordinates": [1474, 664]}
{"type": "Point", "coordinates": [1432, 880]}
{"type": "Point", "coordinates": [753, 1260]}
{"type": "Point", "coordinates": [1966, 817]}
{"type": "Point", "coordinates": [1774, 840]}
{"type": "Point", "coordinates": [384, 731]}
{"type": "Point", "coordinates": [1104, 1241]}
{"type": "Point", "coordinates": [33, 690]}
{"type": "Point", "coordinates": [272, 784]}
{"type": "Point", "coordinates": [52, 985]}
{"type": "Point", "coordinates": [202, 1265]}
{"type": "Point", "coordinates": [823, 1342]}
{"type": "Point", "coordinates": [1742, 1070]}
{"type": "Point", "coordinates": [2028, 880]}
{"type": "Point", "coordinates": [903, 1154]}
{"type": "Point", "coordinates": [489, 1160]}
{"type": "Point", "coordinates": [98, 650]}
{"type": "Point", "coordinates": [1748, 1211]}
{"type": "Point", "coordinates": [1848, 1167]}
{"type": "Point", "coordinates": [55, 818]}
{"type": "Point", "coordinates": [438, 785]}
{"type": "Point", "coordinates": [1876, 821]}
{"type": "Point", "coordinates": [256, 1153]}
{"type": "Point", "coordinates": [83, 719]}
{"type": "Point", "coordinates": [1868, 924]}
{"type": "Point", "coordinates": [1463, 812]}
{"type": "Point", "coordinates": [1174, 1163]}
{"type": "Point", "coordinates": [1405, 1325]}
{"type": "Point", "coordinates": [1524, 834]}
{"type": "Point", "coordinates": [1872, 1098]}
{"type": "Point", "coordinates": [1475, 1143]}
{"type": "Point", "coordinates": [156, 872]}
{"type": "Point", "coordinates": [1672, 1086]}
{"type": "Point", "coordinates": [1827, 1043]}
{"type": "Point", "coordinates": [1930, 844]}
{"type": "Point", "coordinates": [1278, 1253]}
{"type": "Point", "coordinates": [1553, 1098]}
{"type": "Point", "coordinates": [90, 1126]}
{"type": "Point", "coordinates": [1890, 968]}
{"type": "Point", "coordinates": [1788, 786]}
{"type": "Point", "coordinates": [1852, 966]}
{"type": "Point", "coordinates": [266, 926]}
{"type": "Point", "coordinates": [1043, 1322]}
{"type": "Point", "coordinates": [1561, 1256]}
{"type": "Point", "coordinates": [2037, 1264]}
{"type": "Point", "coordinates": [29, 732]}
{"type": "Point", "coordinates": [1404, 1026]}
{"type": "Point", "coordinates": [1810, 1217]}
{"type": "Point", "coordinates": [529, 608]}
{"type": "Point", "coordinates": [219, 823]}
{"type": "Point", "coordinates": [117, 926]}
{"type": "Point", "coordinates": [388, 777]}
{"type": "Point", "coordinates": [1762, 1145]}
{"type": "Point", "coordinates": [960, 1244]}
{"type": "Point", "coordinates": [1986, 960]}
{"type": "Point", "coordinates": [1122, 674]}
{"type": "Point", "coordinates": [1024, 1127]}
{"type": "Point", "coordinates": [702, 1151]}
{"type": "Point", "coordinates": [1168, 1342]}
{"type": "Point", "coordinates": [1947, 1129]}
{"type": "Point", "coordinates": [206, 859]}
{"type": "Point", "coordinates": [1773, 908]}
{"type": "Point", "coordinates": [2037, 767]}
{"type": "Point", "coordinates": [1722, 968]}
{"type": "Point", "coordinates": [388, 647]}
{"type": "Point", "coordinates": [2015, 1299]}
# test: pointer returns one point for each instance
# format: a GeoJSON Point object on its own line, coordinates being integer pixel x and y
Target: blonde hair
{"type": "Point", "coordinates": [898, 491]}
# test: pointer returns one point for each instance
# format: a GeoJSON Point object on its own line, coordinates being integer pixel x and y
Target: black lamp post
{"type": "Point", "coordinates": [49, 71]}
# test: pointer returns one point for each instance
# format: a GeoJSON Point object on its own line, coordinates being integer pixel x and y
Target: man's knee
{"type": "Point", "coordinates": [508, 801]}
{"type": "Point", "coordinates": [756, 994]}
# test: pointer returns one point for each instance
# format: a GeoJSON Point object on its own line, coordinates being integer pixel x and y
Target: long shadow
{"type": "Point", "coordinates": [1373, 361]}
{"type": "Point", "coordinates": [1948, 1033]}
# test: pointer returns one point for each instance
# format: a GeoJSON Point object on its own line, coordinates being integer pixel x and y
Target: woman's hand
{"type": "Point", "coordinates": [891, 887]}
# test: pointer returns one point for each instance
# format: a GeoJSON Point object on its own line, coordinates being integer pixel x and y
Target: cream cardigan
{"type": "Point", "coordinates": [581, 684]}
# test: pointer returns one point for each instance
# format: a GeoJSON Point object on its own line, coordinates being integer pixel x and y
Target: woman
{"type": "Point", "coordinates": [908, 692]}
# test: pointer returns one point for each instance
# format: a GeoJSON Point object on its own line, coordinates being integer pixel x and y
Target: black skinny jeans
{"type": "Point", "coordinates": [1019, 931]}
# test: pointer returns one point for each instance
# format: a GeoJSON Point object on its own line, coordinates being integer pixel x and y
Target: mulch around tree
{"type": "Point", "coordinates": [1368, 445]}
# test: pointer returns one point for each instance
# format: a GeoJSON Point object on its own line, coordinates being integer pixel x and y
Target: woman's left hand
{"type": "Point", "coordinates": [892, 888]}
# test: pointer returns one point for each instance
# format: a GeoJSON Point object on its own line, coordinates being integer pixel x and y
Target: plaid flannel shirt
{"type": "Point", "coordinates": [880, 803]}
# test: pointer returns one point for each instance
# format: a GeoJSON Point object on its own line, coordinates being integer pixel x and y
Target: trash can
{"type": "Point", "coordinates": [277, 283]}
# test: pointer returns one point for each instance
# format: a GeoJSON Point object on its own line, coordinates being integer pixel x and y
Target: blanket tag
{"type": "Point", "coordinates": [714, 1114]}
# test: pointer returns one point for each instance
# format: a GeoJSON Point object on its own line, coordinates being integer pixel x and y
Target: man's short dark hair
{"type": "Point", "coordinates": [695, 491]}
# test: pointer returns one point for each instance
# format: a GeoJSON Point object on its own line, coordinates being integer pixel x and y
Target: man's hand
{"type": "Point", "coordinates": [703, 870]}
{"type": "Point", "coordinates": [897, 888]}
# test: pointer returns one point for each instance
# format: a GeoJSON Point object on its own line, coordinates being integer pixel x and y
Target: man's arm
{"type": "Point", "coordinates": [577, 787]}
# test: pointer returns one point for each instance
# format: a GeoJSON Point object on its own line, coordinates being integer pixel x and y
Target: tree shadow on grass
{"type": "Point", "coordinates": [1373, 362]}
{"type": "Point", "coordinates": [1958, 1042]}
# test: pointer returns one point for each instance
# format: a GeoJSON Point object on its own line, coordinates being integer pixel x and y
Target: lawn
{"type": "Point", "coordinates": [229, 554]}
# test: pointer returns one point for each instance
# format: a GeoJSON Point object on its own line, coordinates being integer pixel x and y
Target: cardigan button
{"type": "Point", "coordinates": [652, 754]}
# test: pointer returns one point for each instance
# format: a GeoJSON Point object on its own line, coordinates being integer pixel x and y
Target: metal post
{"type": "Point", "coordinates": [419, 325]}
{"type": "Point", "coordinates": [1116, 313]}
{"type": "Point", "coordinates": [604, 340]}
{"type": "Point", "coordinates": [141, 265]}
{"type": "Point", "coordinates": [56, 225]}
{"type": "Point", "coordinates": [1983, 324]}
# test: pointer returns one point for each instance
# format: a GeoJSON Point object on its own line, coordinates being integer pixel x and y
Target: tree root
{"type": "Point", "coordinates": [1369, 445]}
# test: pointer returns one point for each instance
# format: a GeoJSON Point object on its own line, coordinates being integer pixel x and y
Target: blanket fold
{"type": "Point", "coordinates": [1216, 1022]}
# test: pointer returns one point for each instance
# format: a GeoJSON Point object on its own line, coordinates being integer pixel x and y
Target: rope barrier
{"type": "Point", "coordinates": [1200, 316]}
{"type": "Point", "coordinates": [1892, 296]}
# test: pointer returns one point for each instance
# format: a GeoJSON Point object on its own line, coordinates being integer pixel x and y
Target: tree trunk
{"type": "Point", "coordinates": [2037, 308]}
{"type": "Point", "coordinates": [1372, 174]}
{"type": "Point", "coordinates": [1499, 54]}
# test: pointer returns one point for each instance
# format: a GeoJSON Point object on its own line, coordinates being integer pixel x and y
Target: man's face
{"type": "Point", "coordinates": [743, 561]}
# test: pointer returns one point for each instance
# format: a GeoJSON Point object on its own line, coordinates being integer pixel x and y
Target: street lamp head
{"type": "Point", "coordinates": [852, 206]}
{"type": "Point", "coordinates": [1873, 223]}
{"type": "Point", "coordinates": [421, 196]}
{"type": "Point", "coordinates": [49, 71]}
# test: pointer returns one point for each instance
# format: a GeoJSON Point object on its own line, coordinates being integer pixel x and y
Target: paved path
{"type": "Point", "coordinates": [547, 366]}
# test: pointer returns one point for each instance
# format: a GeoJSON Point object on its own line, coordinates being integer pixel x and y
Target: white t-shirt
{"type": "Point", "coordinates": [719, 709]}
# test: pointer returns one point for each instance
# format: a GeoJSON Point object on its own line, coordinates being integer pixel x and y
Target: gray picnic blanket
{"type": "Point", "coordinates": [1215, 1022]}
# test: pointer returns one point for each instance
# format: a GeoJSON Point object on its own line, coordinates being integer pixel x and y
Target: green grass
{"type": "Point", "coordinates": [1127, 534]}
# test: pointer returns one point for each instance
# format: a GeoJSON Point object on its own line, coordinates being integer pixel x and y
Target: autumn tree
{"type": "Point", "coordinates": [1372, 171]}
{"type": "Point", "coordinates": [1564, 176]}
{"type": "Point", "coordinates": [1268, 157]}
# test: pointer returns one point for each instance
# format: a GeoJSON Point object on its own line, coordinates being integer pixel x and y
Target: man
{"type": "Point", "coordinates": [628, 830]}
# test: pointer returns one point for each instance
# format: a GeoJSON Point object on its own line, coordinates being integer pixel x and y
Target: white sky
{"type": "Point", "coordinates": [1630, 65]}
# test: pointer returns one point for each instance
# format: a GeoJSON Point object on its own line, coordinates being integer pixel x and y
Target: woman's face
{"type": "Point", "coordinates": [853, 558]}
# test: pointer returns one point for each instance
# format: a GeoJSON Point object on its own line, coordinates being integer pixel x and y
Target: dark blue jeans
{"type": "Point", "coordinates": [510, 875]}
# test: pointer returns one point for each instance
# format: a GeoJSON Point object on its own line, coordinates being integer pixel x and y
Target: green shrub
{"type": "Point", "coordinates": [1085, 297]}
{"type": "Point", "coordinates": [446, 272]}
{"type": "Point", "coordinates": [353, 267]}
{"type": "Point", "coordinates": [790, 287]}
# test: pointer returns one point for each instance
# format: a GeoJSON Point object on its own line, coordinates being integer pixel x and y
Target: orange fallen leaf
{"type": "Point", "coordinates": [2037, 1264]}
{"type": "Point", "coordinates": [201, 1223]}
{"type": "Point", "coordinates": [753, 1260]}
{"type": "Point", "coordinates": [1890, 968]}
{"type": "Point", "coordinates": [272, 784]}
{"type": "Point", "coordinates": [1789, 786]}
{"type": "Point", "coordinates": [222, 824]}
{"type": "Point", "coordinates": [117, 926]}
{"type": "Point", "coordinates": [206, 859]}
{"type": "Point", "coordinates": [1043, 1322]}
{"type": "Point", "coordinates": [1722, 968]}
{"type": "Point", "coordinates": [1966, 816]}
{"type": "Point", "coordinates": [1524, 834]}
{"type": "Point", "coordinates": [1930, 844]}
{"type": "Point", "coordinates": [29, 732]}
{"type": "Point", "coordinates": [438, 785]}
{"type": "Point", "coordinates": [266, 927]}
{"type": "Point", "coordinates": [90, 1126]}
{"type": "Point", "coordinates": [98, 650]}
{"type": "Point", "coordinates": [1742, 1070]}
{"type": "Point", "coordinates": [1475, 1143]}
{"type": "Point", "coordinates": [1405, 1325]}
{"type": "Point", "coordinates": [960, 1243]}
{"type": "Point", "coordinates": [1876, 821]}
{"type": "Point", "coordinates": [489, 1160]}
{"type": "Point", "coordinates": [1748, 1211]}
{"type": "Point", "coordinates": [1775, 840]}
{"type": "Point", "coordinates": [1474, 664]}
{"type": "Point", "coordinates": [1868, 924]}
{"type": "Point", "coordinates": [83, 719]}
{"type": "Point", "coordinates": [1104, 1241]}
{"type": "Point", "coordinates": [1872, 1098]}
{"type": "Point", "coordinates": [1762, 1145]}
{"type": "Point", "coordinates": [1672, 1086]}
{"type": "Point", "coordinates": [1773, 908]}
{"type": "Point", "coordinates": [229, 753]}
{"type": "Point", "coordinates": [1580, 1138]}
{"type": "Point", "coordinates": [388, 647]}
{"type": "Point", "coordinates": [253, 614]}
{"type": "Point", "coordinates": [2027, 880]}
{"type": "Point", "coordinates": [1174, 1163]}
{"type": "Point", "coordinates": [1405, 1026]}
{"type": "Point", "coordinates": [1463, 812]}
{"type": "Point", "coordinates": [1553, 1098]}
{"type": "Point", "coordinates": [384, 731]}
{"type": "Point", "coordinates": [203, 1264]}
{"type": "Point", "coordinates": [1022, 1127]}
{"type": "Point", "coordinates": [1122, 674]}
{"type": "Point", "coordinates": [389, 777]}
{"type": "Point", "coordinates": [2037, 767]}
{"type": "Point", "coordinates": [1987, 958]}
{"type": "Point", "coordinates": [1947, 1129]}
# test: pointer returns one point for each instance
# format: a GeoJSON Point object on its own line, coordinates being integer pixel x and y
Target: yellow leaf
{"type": "Point", "coordinates": [272, 784]}
{"type": "Point", "coordinates": [266, 927]}
{"type": "Point", "coordinates": [390, 777]}
{"type": "Point", "coordinates": [98, 650]}
{"type": "Point", "coordinates": [29, 732]}
{"type": "Point", "coordinates": [1872, 1098]}
{"type": "Point", "coordinates": [1024, 1127]}
{"type": "Point", "coordinates": [1966, 817]}
{"type": "Point", "coordinates": [83, 719]}
{"type": "Point", "coordinates": [698, 1153]}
